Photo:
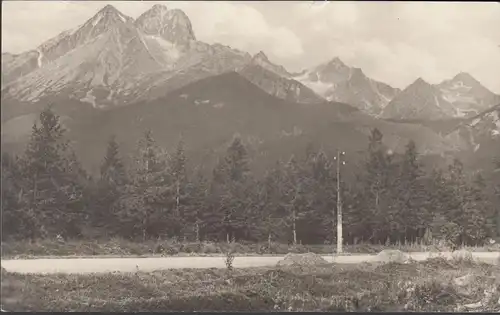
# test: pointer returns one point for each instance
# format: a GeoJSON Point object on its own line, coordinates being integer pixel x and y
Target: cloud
{"type": "Point", "coordinates": [397, 42]}
{"type": "Point", "coordinates": [243, 27]}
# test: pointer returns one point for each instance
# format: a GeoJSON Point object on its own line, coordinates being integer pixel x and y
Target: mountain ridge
{"type": "Point", "coordinates": [211, 110]}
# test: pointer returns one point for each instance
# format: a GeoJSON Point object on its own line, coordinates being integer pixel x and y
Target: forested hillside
{"type": "Point", "coordinates": [391, 198]}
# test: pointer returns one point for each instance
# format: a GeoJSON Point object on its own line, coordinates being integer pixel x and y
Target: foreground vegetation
{"type": "Point", "coordinates": [433, 285]}
{"type": "Point", "coordinates": [127, 248]}
{"type": "Point", "coordinates": [390, 199]}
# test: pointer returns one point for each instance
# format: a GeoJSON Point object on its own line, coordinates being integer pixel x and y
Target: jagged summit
{"type": "Point", "coordinates": [420, 81]}
{"type": "Point", "coordinates": [172, 25]}
{"type": "Point", "coordinates": [109, 8]}
{"type": "Point", "coordinates": [467, 94]}
{"type": "Point", "coordinates": [466, 79]}
{"type": "Point", "coordinates": [159, 7]}
{"type": "Point", "coordinates": [261, 55]}
{"type": "Point", "coordinates": [463, 76]}
{"type": "Point", "coordinates": [261, 59]}
{"type": "Point", "coordinates": [420, 100]}
{"type": "Point", "coordinates": [108, 15]}
{"type": "Point", "coordinates": [336, 61]}
{"type": "Point", "coordinates": [336, 81]}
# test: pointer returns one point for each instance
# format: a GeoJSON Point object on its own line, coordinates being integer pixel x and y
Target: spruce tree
{"type": "Point", "coordinates": [377, 180]}
{"type": "Point", "coordinates": [180, 184]}
{"type": "Point", "coordinates": [52, 179]}
{"type": "Point", "coordinates": [15, 220]}
{"type": "Point", "coordinates": [110, 187]}
{"type": "Point", "coordinates": [231, 186]}
{"type": "Point", "coordinates": [112, 169]}
{"type": "Point", "coordinates": [413, 215]}
{"type": "Point", "coordinates": [144, 210]}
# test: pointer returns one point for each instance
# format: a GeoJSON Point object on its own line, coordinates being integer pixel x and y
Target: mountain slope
{"type": "Point", "coordinates": [338, 82]}
{"type": "Point", "coordinates": [483, 129]}
{"type": "Point", "coordinates": [276, 81]}
{"type": "Point", "coordinates": [209, 112]}
{"type": "Point", "coordinates": [467, 95]}
{"type": "Point", "coordinates": [113, 60]}
{"type": "Point", "coordinates": [481, 135]}
{"type": "Point", "coordinates": [420, 100]}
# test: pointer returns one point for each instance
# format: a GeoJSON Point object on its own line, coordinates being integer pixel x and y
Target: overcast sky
{"type": "Point", "coordinates": [394, 42]}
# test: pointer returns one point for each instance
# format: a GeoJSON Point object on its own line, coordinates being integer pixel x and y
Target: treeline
{"type": "Point", "coordinates": [46, 192]}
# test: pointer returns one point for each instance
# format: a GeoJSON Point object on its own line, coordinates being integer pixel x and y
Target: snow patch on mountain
{"type": "Point", "coordinates": [335, 81]}
{"type": "Point", "coordinates": [89, 98]}
{"type": "Point", "coordinates": [467, 95]}
{"type": "Point", "coordinates": [39, 59]}
{"type": "Point", "coordinates": [319, 87]}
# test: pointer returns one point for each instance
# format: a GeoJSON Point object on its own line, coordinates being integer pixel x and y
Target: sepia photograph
{"type": "Point", "coordinates": [250, 156]}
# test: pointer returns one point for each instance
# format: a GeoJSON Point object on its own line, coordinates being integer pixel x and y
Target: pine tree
{"type": "Point", "coordinates": [467, 210]}
{"type": "Point", "coordinates": [321, 191]}
{"type": "Point", "coordinates": [113, 170]}
{"type": "Point", "coordinates": [52, 179]}
{"type": "Point", "coordinates": [144, 210]}
{"type": "Point", "coordinates": [296, 202]}
{"type": "Point", "coordinates": [109, 188]}
{"type": "Point", "coordinates": [15, 220]}
{"type": "Point", "coordinates": [180, 181]}
{"type": "Point", "coordinates": [377, 180]}
{"type": "Point", "coordinates": [413, 215]}
{"type": "Point", "coordinates": [230, 186]}
{"type": "Point", "coordinates": [195, 210]}
{"type": "Point", "coordinates": [269, 207]}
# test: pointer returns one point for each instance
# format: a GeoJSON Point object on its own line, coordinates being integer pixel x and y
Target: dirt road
{"type": "Point", "coordinates": [103, 265]}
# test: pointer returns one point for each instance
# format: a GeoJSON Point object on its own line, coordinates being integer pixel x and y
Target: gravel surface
{"type": "Point", "coordinates": [104, 265]}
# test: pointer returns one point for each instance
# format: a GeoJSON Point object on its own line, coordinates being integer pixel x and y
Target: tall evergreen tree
{"type": "Point", "coordinates": [467, 210]}
{"type": "Point", "coordinates": [144, 211]}
{"type": "Point", "coordinates": [52, 179]}
{"type": "Point", "coordinates": [377, 182]}
{"type": "Point", "coordinates": [110, 187]}
{"type": "Point", "coordinates": [413, 215]}
{"type": "Point", "coordinates": [270, 207]}
{"type": "Point", "coordinates": [194, 211]}
{"type": "Point", "coordinates": [180, 182]}
{"type": "Point", "coordinates": [113, 170]}
{"type": "Point", "coordinates": [230, 185]}
{"type": "Point", "coordinates": [17, 221]}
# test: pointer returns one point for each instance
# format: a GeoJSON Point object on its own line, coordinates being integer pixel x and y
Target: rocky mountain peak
{"type": "Point", "coordinates": [420, 84]}
{"type": "Point", "coordinates": [159, 8]}
{"type": "Point", "coordinates": [420, 81]}
{"type": "Point", "coordinates": [333, 67]}
{"type": "Point", "coordinates": [357, 74]}
{"type": "Point", "coordinates": [463, 76]}
{"type": "Point", "coordinates": [466, 79]}
{"type": "Point", "coordinates": [336, 62]}
{"type": "Point", "coordinates": [172, 25]}
{"type": "Point", "coordinates": [108, 15]}
{"type": "Point", "coordinates": [261, 56]}
{"type": "Point", "coordinates": [261, 59]}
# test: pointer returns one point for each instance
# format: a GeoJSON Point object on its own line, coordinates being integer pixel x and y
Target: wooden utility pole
{"type": "Point", "coordinates": [339, 203]}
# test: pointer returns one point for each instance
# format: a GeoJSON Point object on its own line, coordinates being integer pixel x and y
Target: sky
{"type": "Point", "coordinates": [393, 42]}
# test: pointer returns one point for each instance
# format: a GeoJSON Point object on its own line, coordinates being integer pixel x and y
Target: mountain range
{"type": "Point", "coordinates": [117, 75]}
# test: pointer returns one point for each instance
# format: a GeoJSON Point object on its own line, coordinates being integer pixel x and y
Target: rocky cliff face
{"type": "Point", "coordinates": [276, 80]}
{"type": "Point", "coordinates": [419, 101]}
{"type": "Point", "coordinates": [113, 60]}
{"type": "Point", "coordinates": [336, 81]}
{"type": "Point", "coordinates": [467, 95]}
